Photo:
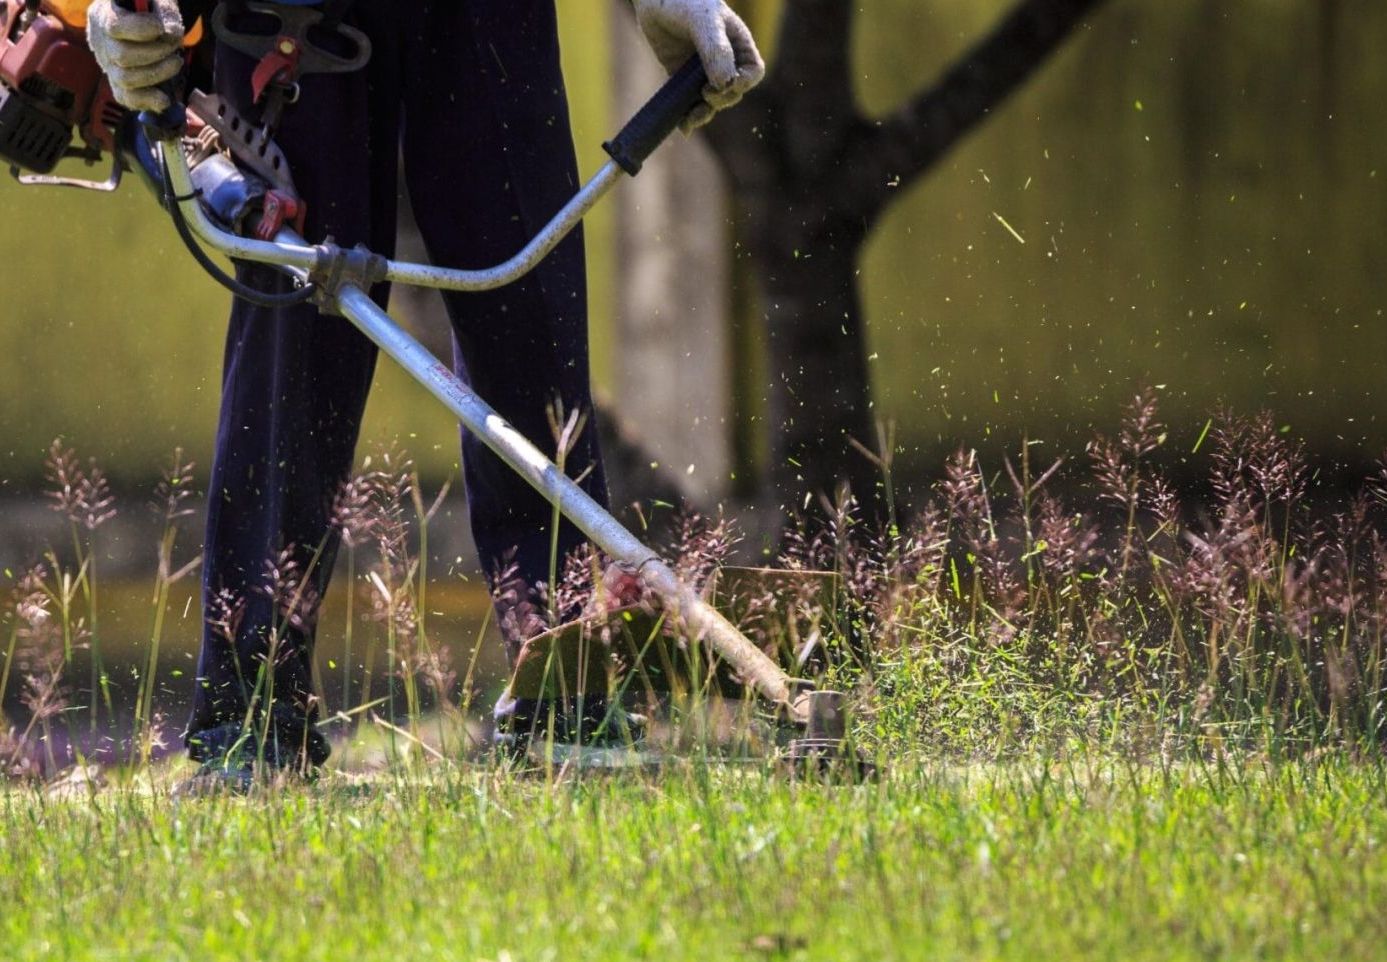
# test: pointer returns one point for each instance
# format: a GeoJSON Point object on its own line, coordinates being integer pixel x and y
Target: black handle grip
{"type": "Point", "coordinates": [659, 118]}
{"type": "Point", "coordinates": [170, 123]}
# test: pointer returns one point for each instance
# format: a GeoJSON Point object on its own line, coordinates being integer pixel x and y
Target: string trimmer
{"type": "Point", "coordinates": [230, 190]}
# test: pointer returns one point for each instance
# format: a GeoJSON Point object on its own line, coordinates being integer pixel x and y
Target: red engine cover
{"type": "Point", "coordinates": [59, 54]}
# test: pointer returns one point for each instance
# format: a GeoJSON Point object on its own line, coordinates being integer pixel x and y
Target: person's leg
{"type": "Point", "coordinates": [294, 387]}
{"type": "Point", "coordinates": [488, 159]}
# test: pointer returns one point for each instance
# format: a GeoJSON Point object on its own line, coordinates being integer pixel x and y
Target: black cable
{"type": "Point", "coordinates": [238, 289]}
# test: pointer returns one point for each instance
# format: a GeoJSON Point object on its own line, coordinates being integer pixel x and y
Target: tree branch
{"type": "Point", "coordinates": [908, 143]}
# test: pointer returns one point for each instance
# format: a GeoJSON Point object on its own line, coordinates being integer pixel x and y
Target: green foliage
{"type": "Point", "coordinates": [1135, 686]}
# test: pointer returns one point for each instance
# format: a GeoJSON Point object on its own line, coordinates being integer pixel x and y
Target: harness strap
{"type": "Point", "coordinates": [334, 11]}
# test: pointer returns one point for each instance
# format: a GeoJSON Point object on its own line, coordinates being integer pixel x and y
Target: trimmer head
{"type": "Point", "coordinates": [639, 652]}
{"type": "Point", "coordinates": [825, 750]}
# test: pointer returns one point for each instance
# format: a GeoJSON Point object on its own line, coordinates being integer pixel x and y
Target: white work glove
{"type": "Point", "coordinates": [137, 51]}
{"type": "Point", "coordinates": [677, 29]}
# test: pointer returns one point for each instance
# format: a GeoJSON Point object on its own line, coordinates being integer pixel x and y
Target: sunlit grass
{"type": "Point", "coordinates": [1075, 856]}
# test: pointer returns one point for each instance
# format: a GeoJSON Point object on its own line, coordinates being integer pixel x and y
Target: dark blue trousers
{"type": "Point", "coordinates": [470, 91]}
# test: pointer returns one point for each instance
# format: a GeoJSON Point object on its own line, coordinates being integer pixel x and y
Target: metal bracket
{"type": "Point", "coordinates": [248, 143]}
{"type": "Point", "coordinates": [49, 180]}
{"type": "Point", "coordinates": [825, 749]}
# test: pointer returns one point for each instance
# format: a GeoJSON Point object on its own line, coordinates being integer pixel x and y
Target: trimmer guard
{"type": "Point", "coordinates": [641, 651]}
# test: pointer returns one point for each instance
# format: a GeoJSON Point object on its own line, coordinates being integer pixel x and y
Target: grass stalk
{"type": "Point", "coordinates": [349, 629]}
{"type": "Point", "coordinates": [10, 646]}
{"type": "Point", "coordinates": [144, 702]}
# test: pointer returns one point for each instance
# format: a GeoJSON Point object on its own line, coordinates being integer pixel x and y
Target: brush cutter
{"type": "Point", "coordinates": [227, 187]}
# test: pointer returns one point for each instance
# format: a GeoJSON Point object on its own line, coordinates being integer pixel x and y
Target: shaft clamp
{"type": "Point", "coordinates": [337, 267]}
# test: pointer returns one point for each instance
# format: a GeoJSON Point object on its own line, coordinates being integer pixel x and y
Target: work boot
{"type": "Point", "coordinates": [225, 776]}
{"type": "Point", "coordinates": [233, 762]}
{"type": "Point", "coordinates": [240, 774]}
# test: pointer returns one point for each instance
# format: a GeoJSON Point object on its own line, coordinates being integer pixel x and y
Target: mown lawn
{"type": "Point", "coordinates": [1080, 858]}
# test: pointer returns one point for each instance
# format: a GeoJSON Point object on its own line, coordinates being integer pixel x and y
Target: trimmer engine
{"type": "Point", "coordinates": [51, 88]}
{"type": "Point", "coordinates": [53, 92]}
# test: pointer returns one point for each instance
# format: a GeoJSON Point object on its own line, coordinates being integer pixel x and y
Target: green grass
{"type": "Point", "coordinates": [1076, 858]}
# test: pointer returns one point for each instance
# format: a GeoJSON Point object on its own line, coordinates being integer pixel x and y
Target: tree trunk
{"type": "Point", "coordinates": [810, 176]}
{"type": "Point", "coordinates": [819, 387]}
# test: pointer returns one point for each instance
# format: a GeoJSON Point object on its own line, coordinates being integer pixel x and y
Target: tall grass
{"type": "Point", "coordinates": [83, 496]}
{"type": "Point", "coordinates": [1000, 613]}
{"type": "Point", "coordinates": [1023, 603]}
{"type": "Point", "coordinates": [170, 502]}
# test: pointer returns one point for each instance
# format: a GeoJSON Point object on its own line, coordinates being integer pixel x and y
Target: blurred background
{"type": "Point", "coordinates": [1201, 185]}
{"type": "Point", "coordinates": [1188, 194]}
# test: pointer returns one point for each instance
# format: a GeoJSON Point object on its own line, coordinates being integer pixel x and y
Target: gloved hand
{"type": "Point", "coordinates": [137, 51]}
{"type": "Point", "coordinates": [677, 29]}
